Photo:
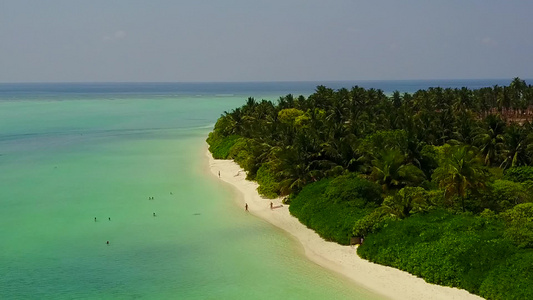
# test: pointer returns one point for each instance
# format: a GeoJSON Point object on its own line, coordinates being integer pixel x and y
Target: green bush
{"type": "Point", "coordinates": [244, 153]}
{"type": "Point", "coordinates": [504, 194]}
{"type": "Point", "coordinates": [268, 182]}
{"type": "Point", "coordinates": [370, 223]}
{"type": "Point", "coordinates": [519, 225]}
{"type": "Point", "coordinates": [352, 188]}
{"type": "Point", "coordinates": [519, 174]}
{"type": "Point", "coordinates": [511, 279]}
{"type": "Point", "coordinates": [219, 145]}
{"type": "Point", "coordinates": [331, 207]}
{"type": "Point", "coordinates": [443, 248]}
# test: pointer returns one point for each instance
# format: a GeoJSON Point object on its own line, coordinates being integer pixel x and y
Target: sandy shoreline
{"type": "Point", "coordinates": [389, 282]}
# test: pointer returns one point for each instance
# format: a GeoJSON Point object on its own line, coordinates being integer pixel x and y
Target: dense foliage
{"type": "Point", "coordinates": [511, 278]}
{"type": "Point", "coordinates": [332, 206]}
{"type": "Point", "coordinates": [438, 182]}
{"type": "Point", "coordinates": [443, 248]}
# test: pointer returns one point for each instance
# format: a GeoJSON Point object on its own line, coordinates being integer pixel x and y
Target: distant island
{"type": "Point", "coordinates": [436, 183]}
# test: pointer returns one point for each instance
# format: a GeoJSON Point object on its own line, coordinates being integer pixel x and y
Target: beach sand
{"type": "Point", "coordinates": [389, 282]}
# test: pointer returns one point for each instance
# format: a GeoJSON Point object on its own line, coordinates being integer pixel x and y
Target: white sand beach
{"type": "Point", "coordinates": [389, 282]}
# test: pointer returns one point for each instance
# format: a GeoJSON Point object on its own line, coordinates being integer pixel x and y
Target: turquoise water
{"type": "Point", "coordinates": [70, 153]}
{"type": "Point", "coordinates": [68, 158]}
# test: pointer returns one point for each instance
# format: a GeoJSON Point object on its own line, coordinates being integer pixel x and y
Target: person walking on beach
{"type": "Point", "coordinates": [218, 174]}
{"type": "Point", "coordinates": [246, 206]}
{"type": "Point", "coordinates": [271, 205]}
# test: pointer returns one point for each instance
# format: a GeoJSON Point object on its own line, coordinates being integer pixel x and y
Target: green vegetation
{"type": "Point", "coordinates": [519, 227]}
{"type": "Point", "coordinates": [221, 145]}
{"type": "Point", "coordinates": [519, 174]}
{"type": "Point", "coordinates": [438, 182]}
{"type": "Point", "coordinates": [268, 181]}
{"type": "Point", "coordinates": [331, 207]}
{"type": "Point", "coordinates": [511, 279]}
{"type": "Point", "coordinates": [441, 247]}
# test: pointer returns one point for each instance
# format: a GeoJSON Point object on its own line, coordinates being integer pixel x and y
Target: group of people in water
{"type": "Point", "coordinates": [109, 218]}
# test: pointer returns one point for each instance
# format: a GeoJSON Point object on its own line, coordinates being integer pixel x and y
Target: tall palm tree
{"type": "Point", "coordinates": [460, 171]}
{"type": "Point", "coordinates": [491, 139]}
{"type": "Point", "coordinates": [391, 170]}
{"type": "Point", "coordinates": [516, 142]}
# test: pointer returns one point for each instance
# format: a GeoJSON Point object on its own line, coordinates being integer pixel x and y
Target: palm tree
{"type": "Point", "coordinates": [516, 91]}
{"type": "Point", "coordinates": [516, 141]}
{"type": "Point", "coordinates": [490, 139]}
{"type": "Point", "coordinates": [407, 201]}
{"type": "Point", "coordinates": [391, 170]}
{"type": "Point", "coordinates": [293, 167]}
{"type": "Point", "coordinates": [460, 171]}
{"type": "Point", "coordinates": [465, 125]}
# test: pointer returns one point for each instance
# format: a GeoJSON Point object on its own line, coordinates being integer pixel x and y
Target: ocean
{"type": "Point", "coordinates": [106, 194]}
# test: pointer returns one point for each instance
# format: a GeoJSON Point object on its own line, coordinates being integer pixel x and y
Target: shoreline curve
{"type": "Point", "coordinates": [387, 281]}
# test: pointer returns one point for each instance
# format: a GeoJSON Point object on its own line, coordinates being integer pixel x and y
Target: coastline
{"type": "Point", "coordinates": [389, 282]}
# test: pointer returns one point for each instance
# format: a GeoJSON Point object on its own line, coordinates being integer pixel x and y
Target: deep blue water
{"type": "Point", "coordinates": [14, 91]}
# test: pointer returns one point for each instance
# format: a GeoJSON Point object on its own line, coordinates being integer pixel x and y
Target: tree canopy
{"type": "Point", "coordinates": [419, 174]}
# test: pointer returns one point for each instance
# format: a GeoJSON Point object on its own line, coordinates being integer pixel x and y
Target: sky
{"type": "Point", "coordinates": [269, 40]}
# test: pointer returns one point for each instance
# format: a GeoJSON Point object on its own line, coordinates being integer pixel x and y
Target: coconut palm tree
{"type": "Point", "coordinates": [516, 142]}
{"type": "Point", "coordinates": [491, 139]}
{"type": "Point", "coordinates": [461, 170]}
{"type": "Point", "coordinates": [391, 170]}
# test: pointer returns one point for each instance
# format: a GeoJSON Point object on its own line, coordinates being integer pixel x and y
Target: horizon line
{"type": "Point", "coordinates": [254, 81]}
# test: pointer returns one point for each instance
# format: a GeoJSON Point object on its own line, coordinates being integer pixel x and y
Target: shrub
{"type": "Point", "coordinates": [511, 279]}
{"type": "Point", "coordinates": [370, 223]}
{"type": "Point", "coordinates": [519, 225]}
{"type": "Point", "coordinates": [504, 194]}
{"type": "Point", "coordinates": [220, 145]}
{"type": "Point", "coordinates": [241, 154]}
{"type": "Point", "coordinates": [519, 174]}
{"type": "Point", "coordinates": [443, 248]}
{"type": "Point", "coordinates": [331, 207]}
{"type": "Point", "coordinates": [268, 181]}
{"type": "Point", "coordinates": [352, 188]}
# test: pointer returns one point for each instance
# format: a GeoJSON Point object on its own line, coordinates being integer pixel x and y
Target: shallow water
{"type": "Point", "coordinates": [66, 159]}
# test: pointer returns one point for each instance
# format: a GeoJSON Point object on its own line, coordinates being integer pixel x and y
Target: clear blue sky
{"type": "Point", "coordinates": [270, 40]}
